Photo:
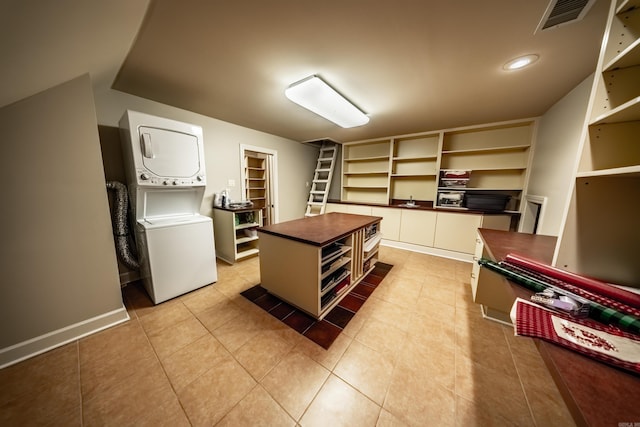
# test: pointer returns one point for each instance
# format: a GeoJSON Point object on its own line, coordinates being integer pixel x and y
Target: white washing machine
{"type": "Point", "coordinates": [164, 163]}
{"type": "Point", "coordinates": [174, 248]}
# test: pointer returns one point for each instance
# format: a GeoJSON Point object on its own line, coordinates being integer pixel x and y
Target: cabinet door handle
{"type": "Point", "coordinates": [473, 276]}
{"type": "Point", "coordinates": [478, 241]}
{"type": "Point", "coordinates": [475, 258]}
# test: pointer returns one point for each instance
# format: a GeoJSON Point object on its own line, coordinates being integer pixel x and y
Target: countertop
{"type": "Point", "coordinates": [427, 206]}
{"type": "Point", "coordinates": [596, 394]}
{"type": "Point", "coordinates": [320, 230]}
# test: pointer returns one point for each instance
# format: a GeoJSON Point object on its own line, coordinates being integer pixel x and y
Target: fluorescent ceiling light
{"type": "Point", "coordinates": [521, 62]}
{"type": "Point", "coordinates": [317, 96]}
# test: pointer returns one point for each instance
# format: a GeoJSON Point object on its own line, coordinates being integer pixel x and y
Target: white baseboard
{"type": "Point", "coordinates": [34, 346]}
{"type": "Point", "coordinates": [460, 256]}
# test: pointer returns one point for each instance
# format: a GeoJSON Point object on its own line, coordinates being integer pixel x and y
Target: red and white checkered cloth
{"type": "Point", "coordinates": [605, 343]}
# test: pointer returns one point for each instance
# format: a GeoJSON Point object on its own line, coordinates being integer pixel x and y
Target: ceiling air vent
{"type": "Point", "coordinates": [561, 12]}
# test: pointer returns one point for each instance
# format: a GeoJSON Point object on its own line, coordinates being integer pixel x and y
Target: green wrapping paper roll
{"type": "Point", "coordinates": [596, 311]}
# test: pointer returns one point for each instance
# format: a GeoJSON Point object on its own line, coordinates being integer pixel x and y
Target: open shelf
{"type": "Point", "coordinates": [367, 159]}
{"type": "Point", "coordinates": [235, 234]}
{"type": "Point", "coordinates": [628, 171]}
{"type": "Point", "coordinates": [627, 112]}
{"type": "Point", "coordinates": [488, 149]}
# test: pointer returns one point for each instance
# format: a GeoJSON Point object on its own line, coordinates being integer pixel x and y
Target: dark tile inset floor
{"type": "Point", "coordinates": [325, 331]}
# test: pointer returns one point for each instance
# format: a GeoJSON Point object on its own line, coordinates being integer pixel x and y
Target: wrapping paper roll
{"type": "Point", "coordinates": [597, 311]}
{"type": "Point", "coordinates": [589, 284]}
{"type": "Point", "coordinates": [574, 289]}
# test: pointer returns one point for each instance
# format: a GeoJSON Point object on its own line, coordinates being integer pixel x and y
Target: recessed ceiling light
{"type": "Point", "coordinates": [520, 62]}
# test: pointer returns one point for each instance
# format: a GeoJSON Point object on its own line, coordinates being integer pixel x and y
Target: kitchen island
{"type": "Point", "coordinates": [312, 263]}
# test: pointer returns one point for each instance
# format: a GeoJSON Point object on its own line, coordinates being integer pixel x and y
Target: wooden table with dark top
{"type": "Point", "coordinates": [596, 394]}
{"type": "Point", "coordinates": [321, 229]}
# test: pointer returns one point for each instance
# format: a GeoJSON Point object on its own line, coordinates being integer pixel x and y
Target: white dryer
{"type": "Point", "coordinates": [164, 163]}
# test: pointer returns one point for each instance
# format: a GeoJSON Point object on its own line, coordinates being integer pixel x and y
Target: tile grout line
{"type": "Point", "coordinates": [523, 388]}
{"type": "Point", "coordinates": [164, 371]}
{"type": "Point", "coordinates": [80, 384]}
{"type": "Point", "coordinates": [257, 381]}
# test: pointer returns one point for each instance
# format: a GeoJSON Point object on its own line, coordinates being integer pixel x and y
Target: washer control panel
{"type": "Point", "coordinates": [145, 178]}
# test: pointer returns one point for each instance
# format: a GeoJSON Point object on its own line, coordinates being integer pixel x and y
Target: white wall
{"type": "Point", "coordinates": [57, 258]}
{"type": "Point", "coordinates": [554, 158]}
{"type": "Point", "coordinates": [296, 161]}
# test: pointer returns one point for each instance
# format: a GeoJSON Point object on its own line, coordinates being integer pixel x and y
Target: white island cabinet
{"type": "Point", "coordinates": [312, 263]}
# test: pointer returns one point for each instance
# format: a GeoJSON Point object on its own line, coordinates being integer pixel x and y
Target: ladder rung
{"type": "Point", "coordinates": [322, 179]}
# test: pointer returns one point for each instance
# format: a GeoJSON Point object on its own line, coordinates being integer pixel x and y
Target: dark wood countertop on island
{"type": "Point", "coordinates": [320, 230]}
{"type": "Point", "coordinates": [596, 394]}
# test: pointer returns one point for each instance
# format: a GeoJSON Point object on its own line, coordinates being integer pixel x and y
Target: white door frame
{"type": "Point", "coordinates": [273, 175]}
{"type": "Point", "coordinates": [527, 214]}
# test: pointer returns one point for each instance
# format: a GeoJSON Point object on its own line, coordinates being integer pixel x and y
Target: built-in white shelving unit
{"type": "Point", "coordinates": [410, 166]}
{"type": "Point", "coordinates": [601, 236]}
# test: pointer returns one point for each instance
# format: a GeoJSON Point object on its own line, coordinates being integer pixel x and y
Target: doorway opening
{"type": "Point", "coordinates": [533, 214]}
{"type": "Point", "coordinates": [259, 180]}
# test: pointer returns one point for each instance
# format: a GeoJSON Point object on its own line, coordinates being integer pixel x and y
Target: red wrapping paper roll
{"type": "Point", "coordinates": [586, 283]}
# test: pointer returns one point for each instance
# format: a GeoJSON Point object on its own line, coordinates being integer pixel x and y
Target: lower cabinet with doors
{"type": "Point", "coordinates": [235, 233]}
{"type": "Point", "coordinates": [312, 263]}
{"type": "Point", "coordinates": [454, 232]}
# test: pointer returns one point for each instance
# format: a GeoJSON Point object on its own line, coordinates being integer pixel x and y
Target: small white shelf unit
{"type": "Point", "coordinates": [235, 232]}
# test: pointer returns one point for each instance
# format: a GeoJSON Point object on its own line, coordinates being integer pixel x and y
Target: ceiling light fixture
{"type": "Point", "coordinates": [317, 96]}
{"type": "Point", "coordinates": [520, 62]}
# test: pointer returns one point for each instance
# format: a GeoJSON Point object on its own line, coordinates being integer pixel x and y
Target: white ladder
{"type": "Point", "coordinates": [322, 179]}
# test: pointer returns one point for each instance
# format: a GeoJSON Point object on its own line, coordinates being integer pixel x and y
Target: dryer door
{"type": "Point", "coordinates": [169, 154]}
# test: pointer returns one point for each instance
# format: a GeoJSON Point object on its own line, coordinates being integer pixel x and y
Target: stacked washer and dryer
{"type": "Point", "coordinates": [164, 164]}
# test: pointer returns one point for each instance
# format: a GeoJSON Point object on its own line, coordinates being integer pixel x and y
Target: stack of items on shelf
{"type": "Point", "coordinates": [335, 270]}
{"type": "Point", "coordinates": [245, 218]}
{"type": "Point", "coordinates": [371, 231]}
{"type": "Point", "coordinates": [372, 237]}
{"type": "Point", "coordinates": [336, 290]}
{"type": "Point", "coordinates": [588, 316]}
{"type": "Point", "coordinates": [451, 199]}
{"type": "Point", "coordinates": [453, 179]}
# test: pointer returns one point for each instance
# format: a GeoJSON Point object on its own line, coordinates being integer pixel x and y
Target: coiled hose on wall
{"type": "Point", "coordinates": [121, 225]}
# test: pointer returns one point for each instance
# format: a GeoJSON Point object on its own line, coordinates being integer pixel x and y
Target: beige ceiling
{"type": "Point", "coordinates": [46, 42]}
{"type": "Point", "coordinates": [413, 65]}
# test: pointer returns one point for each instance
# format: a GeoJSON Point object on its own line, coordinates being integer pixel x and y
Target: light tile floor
{"type": "Point", "coordinates": [418, 353]}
